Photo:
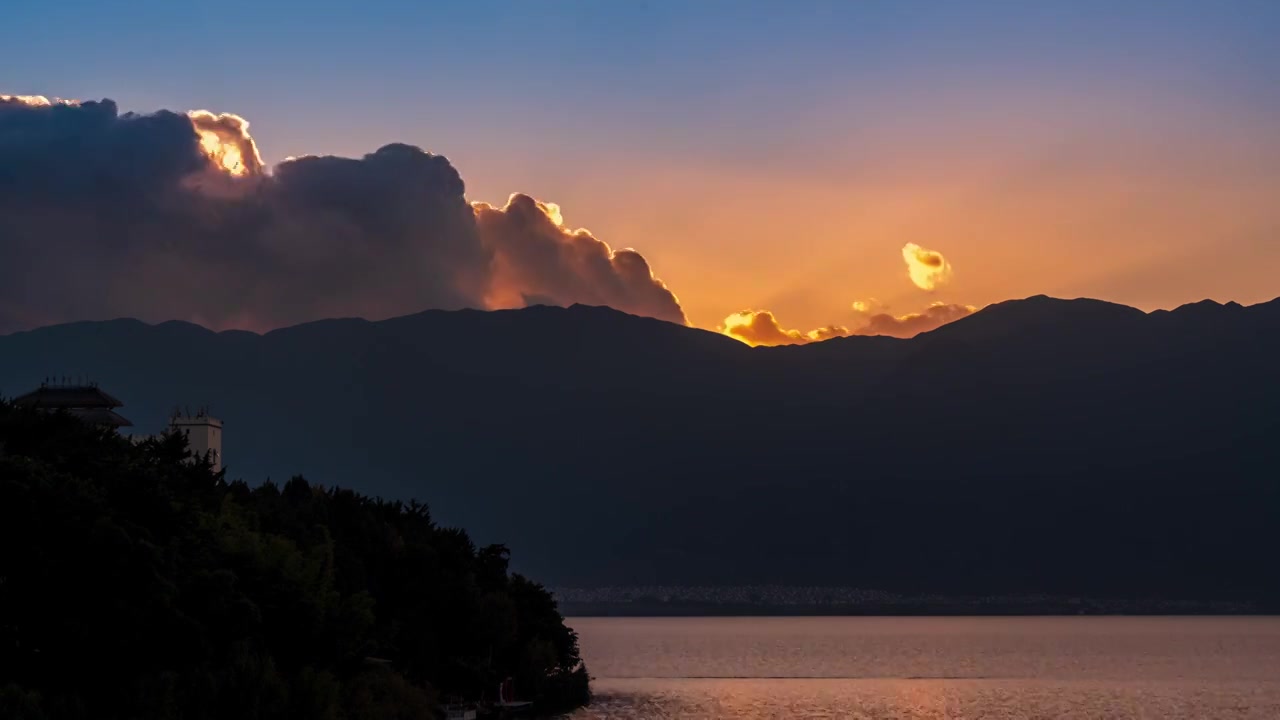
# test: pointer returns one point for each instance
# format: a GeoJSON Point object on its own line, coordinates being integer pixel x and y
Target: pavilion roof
{"type": "Point", "coordinates": [67, 396]}
{"type": "Point", "coordinates": [101, 416]}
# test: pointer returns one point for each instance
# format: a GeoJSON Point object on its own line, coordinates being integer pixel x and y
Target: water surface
{"type": "Point", "coordinates": [961, 668]}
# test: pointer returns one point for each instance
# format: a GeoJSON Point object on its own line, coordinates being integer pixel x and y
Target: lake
{"type": "Point", "coordinates": [1166, 668]}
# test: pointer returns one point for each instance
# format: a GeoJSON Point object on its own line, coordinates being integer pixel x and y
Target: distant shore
{"type": "Point", "coordinates": [678, 610]}
{"type": "Point", "coordinates": [619, 602]}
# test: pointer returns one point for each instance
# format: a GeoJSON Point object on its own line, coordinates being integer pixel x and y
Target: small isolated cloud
{"type": "Point", "coordinates": [928, 269]}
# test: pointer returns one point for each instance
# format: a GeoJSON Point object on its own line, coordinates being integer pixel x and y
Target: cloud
{"type": "Point", "coordinates": [867, 307]}
{"type": "Point", "coordinates": [174, 215]}
{"type": "Point", "coordinates": [225, 139]}
{"type": "Point", "coordinates": [912, 324]}
{"type": "Point", "coordinates": [536, 260]}
{"type": "Point", "coordinates": [928, 269]}
{"type": "Point", "coordinates": [761, 327]}
{"type": "Point", "coordinates": [35, 100]}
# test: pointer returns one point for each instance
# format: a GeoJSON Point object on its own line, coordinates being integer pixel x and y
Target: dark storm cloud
{"type": "Point", "coordinates": [84, 152]}
{"type": "Point", "coordinates": [172, 215]}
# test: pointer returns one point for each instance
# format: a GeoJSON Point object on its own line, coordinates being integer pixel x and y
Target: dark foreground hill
{"type": "Point", "coordinates": [135, 584]}
{"type": "Point", "coordinates": [1039, 446]}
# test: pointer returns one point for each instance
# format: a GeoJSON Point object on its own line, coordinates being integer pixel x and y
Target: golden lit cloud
{"type": "Point", "coordinates": [37, 100]}
{"type": "Point", "coordinates": [928, 269]}
{"type": "Point", "coordinates": [552, 211]}
{"type": "Point", "coordinates": [225, 140]}
{"type": "Point", "coordinates": [868, 306]}
{"type": "Point", "coordinates": [761, 327]}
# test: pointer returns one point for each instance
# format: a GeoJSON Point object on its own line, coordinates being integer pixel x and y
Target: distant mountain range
{"type": "Point", "coordinates": [1037, 446]}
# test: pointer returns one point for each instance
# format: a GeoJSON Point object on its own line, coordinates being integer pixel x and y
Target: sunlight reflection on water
{"type": "Point", "coordinates": [927, 668]}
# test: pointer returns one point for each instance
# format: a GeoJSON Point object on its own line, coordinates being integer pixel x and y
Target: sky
{"type": "Point", "coordinates": [765, 155]}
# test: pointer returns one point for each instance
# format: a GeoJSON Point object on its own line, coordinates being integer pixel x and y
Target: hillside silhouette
{"type": "Point", "coordinates": [140, 584]}
{"type": "Point", "coordinates": [1039, 445]}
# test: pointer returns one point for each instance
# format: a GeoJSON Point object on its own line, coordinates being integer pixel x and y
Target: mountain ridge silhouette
{"type": "Point", "coordinates": [1038, 445]}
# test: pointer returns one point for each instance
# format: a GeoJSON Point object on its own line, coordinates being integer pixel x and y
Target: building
{"type": "Point", "coordinates": [202, 430]}
{"type": "Point", "coordinates": [89, 403]}
{"type": "Point", "coordinates": [85, 401]}
{"type": "Point", "coordinates": [204, 434]}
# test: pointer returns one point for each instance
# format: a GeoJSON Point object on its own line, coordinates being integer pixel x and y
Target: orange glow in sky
{"type": "Point", "coordinates": [1150, 215]}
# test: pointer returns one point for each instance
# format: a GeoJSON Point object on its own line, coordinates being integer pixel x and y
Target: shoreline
{"type": "Point", "coordinates": [1101, 609]}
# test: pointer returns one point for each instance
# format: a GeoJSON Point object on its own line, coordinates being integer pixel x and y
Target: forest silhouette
{"type": "Point", "coordinates": [136, 582]}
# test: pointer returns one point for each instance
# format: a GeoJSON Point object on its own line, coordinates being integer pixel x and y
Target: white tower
{"type": "Point", "coordinates": [204, 434]}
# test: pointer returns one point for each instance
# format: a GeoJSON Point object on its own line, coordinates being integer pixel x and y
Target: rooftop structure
{"type": "Point", "coordinates": [88, 402]}
{"type": "Point", "coordinates": [204, 434]}
{"type": "Point", "coordinates": [84, 400]}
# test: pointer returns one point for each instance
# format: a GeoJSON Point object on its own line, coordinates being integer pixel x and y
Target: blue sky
{"type": "Point", "coordinates": [465, 67]}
